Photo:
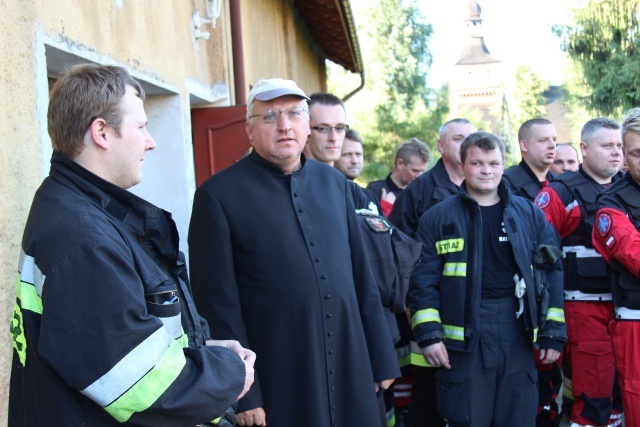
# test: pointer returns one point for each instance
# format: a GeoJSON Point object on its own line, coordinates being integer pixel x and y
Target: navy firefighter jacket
{"type": "Point", "coordinates": [445, 290]}
{"type": "Point", "coordinates": [105, 329]}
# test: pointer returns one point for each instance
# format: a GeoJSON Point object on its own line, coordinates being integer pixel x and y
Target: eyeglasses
{"type": "Point", "coordinates": [272, 116]}
{"type": "Point", "coordinates": [327, 129]}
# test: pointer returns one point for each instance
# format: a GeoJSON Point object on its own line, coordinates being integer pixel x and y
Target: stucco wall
{"type": "Point", "coordinates": [19, 157]}
{"type": "Point", "coordinates": [277, 45]}
{"type": "Point", "coordinates": [153, 38]}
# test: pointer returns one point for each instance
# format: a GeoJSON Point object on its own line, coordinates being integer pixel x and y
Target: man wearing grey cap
{"type": "Point", "coordinates": [278, 263]}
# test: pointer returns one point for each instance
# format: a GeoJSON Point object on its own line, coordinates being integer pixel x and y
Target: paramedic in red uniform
{"type": "Point", "coordinates": [616, 236]}
{"type": "Point", "coordinates": [569, 203]}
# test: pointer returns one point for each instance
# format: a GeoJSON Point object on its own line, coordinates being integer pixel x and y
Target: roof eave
{"type": "Point", "coordinates": [332, 27]}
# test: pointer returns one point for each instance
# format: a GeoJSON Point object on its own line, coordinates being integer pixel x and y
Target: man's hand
{"type": "Point", "coordinates": [384, 384]}
{"type": "Point", "coordinates": [436, 355]}
{"type": "Point", "coordinates": [252, 417]}
{"type": "Point", "coordinates": [388, 197]}
{"type": "Point", "coordinates": [247, 356]}
{"type": "Point", "coordinates": [549, 355]}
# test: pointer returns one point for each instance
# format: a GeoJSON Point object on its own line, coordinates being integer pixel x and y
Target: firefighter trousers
{"type": "Point", "coordinates": [495, 385]}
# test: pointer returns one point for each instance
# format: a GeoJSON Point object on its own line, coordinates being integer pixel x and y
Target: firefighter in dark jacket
{"type": "Point", "coordinates": [489, 284]}
{"type": "Point", "coordinates": [538, 147]}
{"type": "Point", "coordinates": [438, 183]}
{"type": "Point", "coordinates": [616, 236]}
{"type": "Point", "coordinates": [410, 162]}
{"type": "Point", "coordinates": [104, 328]}
{"type": "Point", "coordinates": [537, 139]}
{"type": "Point", "coordinates": [432, 187]}
{"type": "Point", "coordinates": [569, 203]}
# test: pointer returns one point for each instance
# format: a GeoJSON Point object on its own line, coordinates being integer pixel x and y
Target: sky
{"type": "Point", "coordinates": [517, 32]}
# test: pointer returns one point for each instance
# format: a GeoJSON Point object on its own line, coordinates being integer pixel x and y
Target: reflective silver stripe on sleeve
{"type": "Point", "coordinates": [572, 205]}
{"type": "Point", "coordinates": [30, 273]}
{"type": "Point", "coordinates": [130, 369]}
{"type": "Point", "coordinates": [425, 315]}
{"type": "Point", "coordinates": [173, 325]}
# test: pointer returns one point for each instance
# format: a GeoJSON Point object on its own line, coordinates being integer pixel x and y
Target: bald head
{"type": "Point", "coordinates": [566, 159]}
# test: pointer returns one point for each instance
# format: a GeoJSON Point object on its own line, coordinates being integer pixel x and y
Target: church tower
{"type": "Point", "coordinates": [476, 88]}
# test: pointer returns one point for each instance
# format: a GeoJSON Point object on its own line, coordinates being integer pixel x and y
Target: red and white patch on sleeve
{"type": "Point", "coordinates": [610, 242]}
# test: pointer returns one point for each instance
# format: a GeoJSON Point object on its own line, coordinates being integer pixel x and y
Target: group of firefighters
{"type": "Point", "coordinates": [595, 208]}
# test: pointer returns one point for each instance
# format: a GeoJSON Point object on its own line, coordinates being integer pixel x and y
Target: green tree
{"type": "Point", "coordinates": [602, 41]}
{"type": "Point", "coordinates": [402, 37]}
{"type": "Point", "coordinates": [528, 95]}
{"type": "Point", "coordinates": [396, 103]}
{"type": "Point", "coordinates": [577, 112]}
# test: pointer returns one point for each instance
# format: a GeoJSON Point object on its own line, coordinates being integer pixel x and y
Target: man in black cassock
{"type": "Point", "coordinates": [278, 263]}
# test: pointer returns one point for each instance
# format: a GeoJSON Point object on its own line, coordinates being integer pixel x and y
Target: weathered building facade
{"type": "Point", "coordinates": [183, 62]}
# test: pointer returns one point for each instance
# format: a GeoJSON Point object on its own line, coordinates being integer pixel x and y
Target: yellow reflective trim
{"type": "Point", "coordinates": [455, 269]}
{"type": "Point", "coordinates": [391, 422]}
{"type": "Point", "coordinates": [16, 327]}
{"type": "Point", "coordinates": [404, 361]}
{"type": "Point", "coordinates": [19, 340]}
{"type": "Point", "coordinates": [403, 354]}
{"type": "Point", "coordinates": [151, 386]}
{"type": "Point", "coordinates": [449, 246]}
{"type": "Point", "coordinates": [28, 296]}
{"type": "Point", "coordinates": [417, 358]}
{"type": "Point", "coordinates": [216, 421]}
{"type": "Point", "coordinates": [556, 314]}
{"type": "Point", "coordinates": [426, 315]}
{"type": "Point", "coordinates": [453, 332]}
{"type": "Point", "coordinates": [183, 340]}
{"type": "Point", "coordinates": [535, 335]}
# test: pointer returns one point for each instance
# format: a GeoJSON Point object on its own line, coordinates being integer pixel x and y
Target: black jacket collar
{"type": "Point", "coordinates": [154, 225]}
{"type": "Point", "coordinates": [503, 191]}
{"type": "Point", "coordinates": [267, 165]}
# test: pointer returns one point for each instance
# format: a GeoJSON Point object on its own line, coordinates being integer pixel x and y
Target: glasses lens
{"type": "Point", "coordinates": [295, 113]}
{"type": "Point", "coordinates": [270, 116]}
{"type": "Point", "coordinates": [327, 129]}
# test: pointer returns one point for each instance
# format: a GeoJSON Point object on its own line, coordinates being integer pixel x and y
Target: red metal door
{"type": "Point", "coordinates": [219, 138]}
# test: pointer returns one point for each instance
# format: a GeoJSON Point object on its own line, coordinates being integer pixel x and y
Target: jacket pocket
{"type": "Point", "coordinates": [453, 396]}
{"type": "Point", "coordinates": [592, 276]}
{"type": "Point", "coordinates": [629, 292]}
{"type": "Point", "coordinates": [164, 304]}
{"type": "Point", "coordinates": [596, 361]}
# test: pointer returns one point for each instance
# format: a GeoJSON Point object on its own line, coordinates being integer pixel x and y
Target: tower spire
{"type": "Point", "coordinates": [475, 50]}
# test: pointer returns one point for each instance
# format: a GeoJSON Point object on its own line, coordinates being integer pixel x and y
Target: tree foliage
{"type": "Point", "coordinates": [528, 95]}
{"type": "Point", "coordinates": [396, 103]}
{"type": "Point", "coordinates": [603, 42]}
{"type": "Point", "coordinates": [401, 36]}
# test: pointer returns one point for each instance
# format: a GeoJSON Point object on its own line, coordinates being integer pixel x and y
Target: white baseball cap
{"type": "Point", "coordinates": [268, 89]}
